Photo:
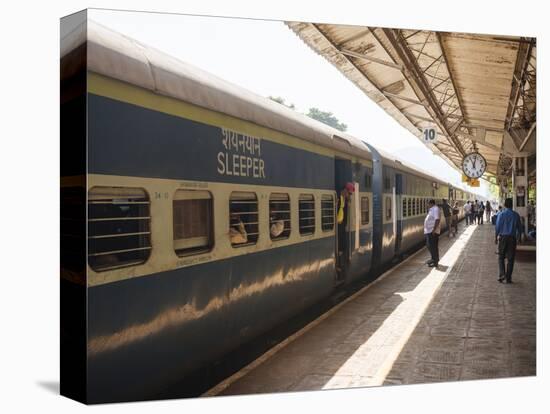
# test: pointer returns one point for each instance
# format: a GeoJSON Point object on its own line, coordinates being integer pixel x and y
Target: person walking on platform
{"type": "Point", "coordinates": [447, 213]}
{"type": "Point", "coordinates": [475, 207]}
{"type": "Point", "coordinates": [507, 228]}
{"type": "Point", "coordinates": [467, 210]}
{"type": "Point", "coordinates": [432, 228]}
{"type": "Point", "coordinates": [488, 209]}
{"type": "Point", "coordinates": [480, 212]}
{"type": "Point", "coordinates": [454, 219]}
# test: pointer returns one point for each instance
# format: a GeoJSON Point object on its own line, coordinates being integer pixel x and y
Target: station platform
{"type": "Point", "coordinates": [415, 324]}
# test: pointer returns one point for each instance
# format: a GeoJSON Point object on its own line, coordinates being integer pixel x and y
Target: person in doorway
{"type": "Point", "coordinates": [488, 209]}
{"type": "Point", "coordinates": [344, 198]}
{"type": "Point", "coordinates": [432, 228]}
{"type": "Point", "coordinates": [507, 227]}
{"type": "Point", "coordinates": [447, 213]}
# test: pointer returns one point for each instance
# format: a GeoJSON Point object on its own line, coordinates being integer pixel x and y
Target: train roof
{"type": "Point", "coordinates": [115, 55]}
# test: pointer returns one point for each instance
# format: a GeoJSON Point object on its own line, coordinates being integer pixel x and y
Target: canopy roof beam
{"type": "Point", "coordinates": [370, 59]}
{"type": "Point", "coordinates": [522, 61]}
{"type": "Point", "coordinates": [416, 79]}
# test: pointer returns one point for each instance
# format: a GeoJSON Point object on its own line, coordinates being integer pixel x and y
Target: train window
{"type": "Point", "coordinates": [409, 207]}
{"type": "Point", "coordinates": [414, 206]}
{"type": "Point", "coordinates": [365, 213]}
{"type": "Point", "coordinates": [192, 222]}
{"type": "Point", "coordinates": [417, 209]}
{"type": "Point", "coordinates": [327, 212]}
{"type": "Point", "coordinates": [306, 214]}
{"type": "Point", "coordinates": [279, 216]}
{"type": "Point", "coordinates": [387, 183]}
{"type": "Point", "coordinates": [404, 207]}
{"type": "Point", "coordinates": [388, 208]}
{"type": "Point", "coordinates": [368, 181]}
{"type": "Point", "coordinates": [243, 219]}
{"type": "Point", "coordinates": [119, 227]}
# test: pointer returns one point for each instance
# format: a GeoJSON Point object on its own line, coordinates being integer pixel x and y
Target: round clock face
{"type": "Point", "coordinates": [474, 165]}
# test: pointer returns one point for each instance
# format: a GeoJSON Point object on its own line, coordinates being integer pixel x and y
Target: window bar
{"type": "Point", "coordinates": [105, 236]}
{"type": "Point", "coordinates": [118, 218]}
{"type": "Point", "coordinates": [119, 251]}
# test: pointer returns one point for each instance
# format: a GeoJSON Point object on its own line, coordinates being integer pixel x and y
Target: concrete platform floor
{"type": "Point", "coordinates": [415, 325]}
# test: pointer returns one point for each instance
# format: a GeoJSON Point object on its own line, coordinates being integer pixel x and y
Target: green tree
{"type": "Point", "coordinates": [326, 118]}
{"type": "Point", "coordinates": [494, 190]}
{"type": "Point", "coordinates": [281, 101]}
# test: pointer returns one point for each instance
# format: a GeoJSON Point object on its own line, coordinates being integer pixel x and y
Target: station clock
{"type": "Point", "coordinates": [474, 165]}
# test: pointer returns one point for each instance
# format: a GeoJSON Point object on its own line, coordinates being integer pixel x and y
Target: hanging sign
{"type": "Point", "coordinates": [429, 135]}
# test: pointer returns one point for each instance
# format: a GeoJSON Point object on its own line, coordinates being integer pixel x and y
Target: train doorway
{"type": "Point", "coordinates": [342, 175]}
{"type": "Point", "coordinates": [398, 212]}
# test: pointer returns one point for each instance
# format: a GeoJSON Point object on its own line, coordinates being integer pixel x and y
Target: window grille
{"type": "Point", "coordinates": [243, 219]}
{"type": "Point", "coordinates": [365, 213]}
{"type": "Point", "coordinates": [327, 212]}
{"type": "Point", "coordinates": [119, 227]}
{"type": "Point", "coordinates": [306, 214]}
{"type": "Point", "coordinates": [279, 216]}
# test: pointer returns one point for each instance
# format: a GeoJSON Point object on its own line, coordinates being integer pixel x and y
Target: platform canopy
{"type": "Point", "coordinates": [478, 91]}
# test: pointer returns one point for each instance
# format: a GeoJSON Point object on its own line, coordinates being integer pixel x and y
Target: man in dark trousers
{"type": "Point", "coordinates": [432, 228]}
{"type": "Point", "coordinates": [447, 213]}
{"type": "Point", "coordinates": [507, 227]}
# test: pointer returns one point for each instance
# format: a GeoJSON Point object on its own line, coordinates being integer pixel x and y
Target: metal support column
{"type": "Point", "coordinates": [520, 188]}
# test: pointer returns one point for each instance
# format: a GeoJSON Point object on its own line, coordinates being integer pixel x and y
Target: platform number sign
{"type": "Point", "coordinates": [429, 135]}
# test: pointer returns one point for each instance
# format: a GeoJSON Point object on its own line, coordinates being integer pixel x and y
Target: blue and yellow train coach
{"type": "Point", "coordinates": [211, 213]}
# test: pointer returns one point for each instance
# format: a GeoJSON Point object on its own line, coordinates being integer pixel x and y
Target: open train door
{"type": "Point", "coordinates": [398, 216]}
{"type": "Point", "coordinates": [342, 175]}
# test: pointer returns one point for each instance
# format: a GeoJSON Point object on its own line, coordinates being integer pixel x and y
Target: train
{"type": "Point", "coordinates": [197, 215]}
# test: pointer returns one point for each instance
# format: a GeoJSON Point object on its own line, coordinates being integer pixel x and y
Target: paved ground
{"type": "Point", "coordinates": [416, 325]}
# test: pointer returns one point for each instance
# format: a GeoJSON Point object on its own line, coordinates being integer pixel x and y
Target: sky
{"type": "Point", "coordinates": [267, 58]}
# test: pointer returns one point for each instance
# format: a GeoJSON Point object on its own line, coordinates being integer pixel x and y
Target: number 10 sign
{"type": "Point", "coordinates": [429, 135]}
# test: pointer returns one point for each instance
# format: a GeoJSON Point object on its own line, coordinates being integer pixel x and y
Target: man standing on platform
{"type": "Point", "coordinates": [467, 210]}
{"type": "Point", "coordinates": [507, 227]}
{"type": "Point", "coordinates": [432, 228]}
{"type": "Point", "coordinates": [447, 213]}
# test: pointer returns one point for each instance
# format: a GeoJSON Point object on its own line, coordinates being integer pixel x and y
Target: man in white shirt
{"type": "Point", "coordinates": [432, 228]}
